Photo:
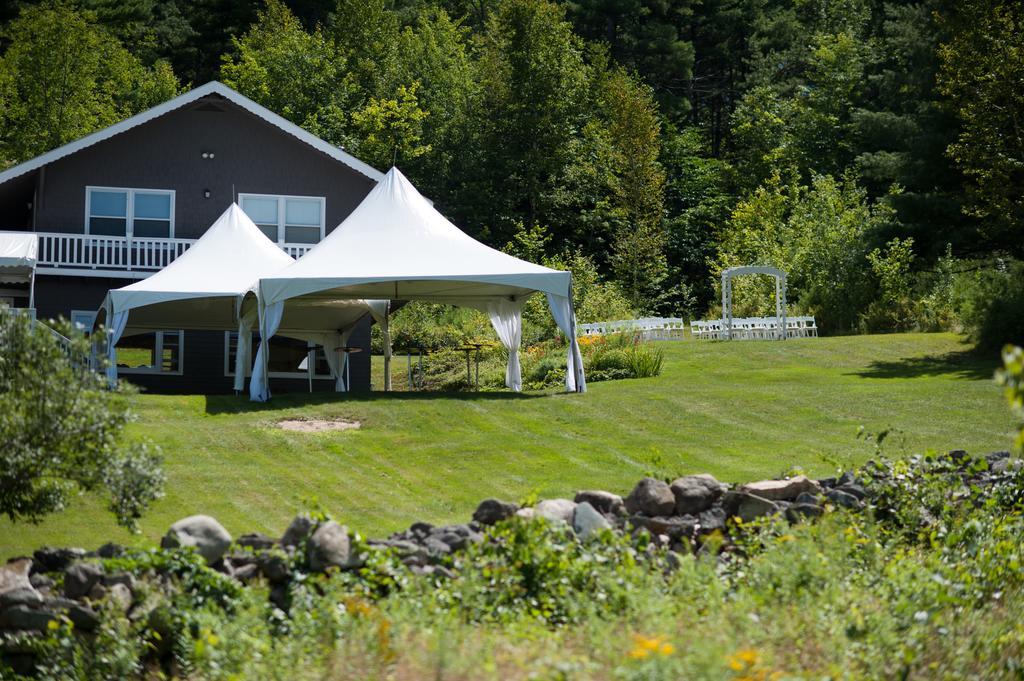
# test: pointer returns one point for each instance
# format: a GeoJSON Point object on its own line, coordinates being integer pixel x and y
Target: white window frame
{"type": "Point", "coordinates": [91, 314]}
{"type": "Point", "coordinates": [281, 201]}
{"type": "Point", "coordinates": [129, 228]}
{"type": "Point", "coordinates": [156, 371]}
{"type": "Point", "coordinates": [229, 367]}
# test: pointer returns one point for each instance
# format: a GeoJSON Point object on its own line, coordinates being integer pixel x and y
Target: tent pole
{"type": "Point", "coordinates": [32, 289]}
{"type": "Point", "coordinates": [310, 353]}
{"type": "Point", "coordinates": [386, 335]}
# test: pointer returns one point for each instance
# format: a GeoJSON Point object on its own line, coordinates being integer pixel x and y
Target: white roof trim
{"type": "Point", "coordinates": [213, 87]}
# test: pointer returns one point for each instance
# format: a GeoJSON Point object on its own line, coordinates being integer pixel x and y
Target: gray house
{"type": "Point", "coordinates": [123, 202]}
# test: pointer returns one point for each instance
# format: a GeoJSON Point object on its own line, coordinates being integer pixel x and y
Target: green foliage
{"type": "Point", "coordinates": [1011, 377]}
{"type": "Point", "coordinates": [63, 431]}
{"type": "Point", "coordinates": [981, 72]}
{"type": "Point", "coordinates": [63, 76]}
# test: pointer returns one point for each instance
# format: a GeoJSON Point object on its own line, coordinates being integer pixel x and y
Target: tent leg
{"type": "Point", "coordinates": [387, 347]}
{"type": "Point", "coordinates": [32, 289]}
{"type": "Point", "coordinates": [310, 354]}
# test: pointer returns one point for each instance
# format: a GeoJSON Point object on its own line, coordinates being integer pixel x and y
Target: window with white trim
{"type": "Point", "coordinates": [157, 352]}
{"type": "Point", "coordinates": [288, 357]}
{"type": "Point", "coordinates": [142, 213]}
{"type": "Point", "coordinates": [287, 219]}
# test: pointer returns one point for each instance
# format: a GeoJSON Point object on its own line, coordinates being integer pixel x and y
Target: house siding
{"type": "Point", "coordinates": [250, 156]}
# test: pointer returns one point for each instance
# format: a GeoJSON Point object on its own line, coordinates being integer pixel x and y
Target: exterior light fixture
{"type": "Point", "coordinates": [207, 154]}
{"type": "Point", "coordinates": [206, 193]}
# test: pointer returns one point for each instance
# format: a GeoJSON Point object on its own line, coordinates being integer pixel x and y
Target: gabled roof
{"type": "Point", "coordinates": [195, 94]}
{"type": "Point", "coordinates": [395, 245]}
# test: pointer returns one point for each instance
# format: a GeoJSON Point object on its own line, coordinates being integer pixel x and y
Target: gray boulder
{"type": "Point", "coordinates": [747, 506]}
{"type": "Point", "coordinates": [696, 493]}
{"type": "Point", "coordinates": [256, 541]}
{"type": "Point", "coordinates": [651, 497]}
{"type": "Point", "coordinates": [601, 501]}
{"type": "Point", "coordinates": [785, 490]}
{"type": "Point", "coordinates": [24, 618]}
{"type": "Point", "coordinates": [491, 511]}
{"type": "Point", "coordinates": [329, 547]}
{"type": "Point", "coordinates": [15, 575]}
{"type": "Point", "coordinates": [50, 559]}
{"type": "Point", "coordinates": [24, 595]}
{"type": "Point", "coordinates": [84, 618]}
{"type": "Point", "coordinates": [556, 510]}
{"type": "Point", "coordinates": [80, 578]}
{"type": "Point", "coordinates": [799, 511]}
{"type": "Point", "coordinates": [298, 530]}
{"type": "Point", "coordinates": [844, 499]}
{"type": "Point", "coordinates": [673, 527]}
{"type": "Point", "coordinates": [586, 520]}
{"type": "Point", "coordinates": [274, 567]}
{"type": "Point", "coordinates": [203, 532]}
{"type": "Point", "coordinates": [711, 520]}
{"type": "Point", "coordinates": [121, 596]}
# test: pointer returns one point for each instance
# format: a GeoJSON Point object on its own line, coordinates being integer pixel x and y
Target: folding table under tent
{"type": "Point", "coordinates": [396, 246]}
{"type": "Point", "coordinates": [19, 252]}
{"type": "Point", "coordinates": [204, 288]}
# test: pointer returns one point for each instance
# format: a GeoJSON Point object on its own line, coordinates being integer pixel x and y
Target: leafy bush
{"type": "Point", "coordinates": [63, 431]}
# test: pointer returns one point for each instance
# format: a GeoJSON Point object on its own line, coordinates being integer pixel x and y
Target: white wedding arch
{"type": "Point", "coordinates": [780, 296]}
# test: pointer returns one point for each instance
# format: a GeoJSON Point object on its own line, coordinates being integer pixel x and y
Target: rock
{"type": "Point", "coordinates": [40, 581]}
{"type": "Point", "coordinates": [695, 493]}
{"type": "Point", "coordinates": [996, 456]}
{"type": "Point", "coordinates": [421, 529]}
{"type": "Point", "coordinates": [246, 572]}
{"type": "Point", "coordinates": [84, 618]}
{"type": "Point", "coordinates": [854, 489]}
{"type": "Point", "coordinates": [97, 593]}
{"type": "Point", "coordinates": [329, 547]}
{"type": "Point", "coordinates": [959, 456]}
{"type": "Point", "coordinates": [586, 520]}
{"type": "Point", "coordinates": [782, 489]}
{"type": "Point", "coordinates": [747, 506]}
{"type": "Point", "coordinates": [50, 559]}
{"type": "Point", "coordinates": [491, 511]}
{"type": "Point", "coordinates": [672, 527]}
{"type": "Point", "coordinates": [454, 541]}
{"type": "Point", "coordinates": [798, 511]}
{"type": "Point", "coordinates": [274, 567]}
{"type": "Point", "coordinates": [526, 513]}
{"type": "Point", "coordinates": [844, 499]}
{"type": "Point", "coordinates": [298, 531]}
{"type": "Point", "coordinates": [110, 550]}
{"type": "Point", "coordinates": [80, 578]}
{"type": "Point", "coordinates": [436, 548]}
{"type": "Point", "coordinates": [24, 595]}
{"type": "Point", "coordinates": [556, 510]}
{"type": "Point", "coordinates": [15, 575]}
{"type": "Point", "coordinates": [121, 596]}
{"type": "Point", "coordinates": [651, 497]}
{"type": "Point", "coordinates": [203, 532]}
{"type": "Point", "coordinates": [806, 498]}
{"type": "Point", "coordinates": [124, 578]}
{"type": "Point", "coordinates": [845, 479]}
{"type": "Point", "coordinates": [711, 520]}
{"type": "Point", "coordinates": [1005, 465]}
{"type": "Point", "coordinates": [827, 482]}
{"type": "Point", "coordinates": [280, 596]}
{"type": "Point", "coordinates": [257, 541]}
{"type": "Point", "coordinates": [24, 618]}
{"type": "Point", "coordinates": [601, 501]}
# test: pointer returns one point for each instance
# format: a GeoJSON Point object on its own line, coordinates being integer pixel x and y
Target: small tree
{"type": "Point", "coordinates": [63, 431]}
{"type": "Point", "coordinates": [1011, 377]}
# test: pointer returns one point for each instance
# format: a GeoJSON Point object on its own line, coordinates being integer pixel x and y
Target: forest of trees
{"type": "Point", "coordinates": [872, 148]}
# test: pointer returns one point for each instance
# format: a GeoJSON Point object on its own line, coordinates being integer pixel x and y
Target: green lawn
{"type": "Point", "coordinates": [737, 410]}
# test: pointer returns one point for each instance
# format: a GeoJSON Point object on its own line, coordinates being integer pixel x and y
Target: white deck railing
{"type": "Point", "coordinates": [118, 253]}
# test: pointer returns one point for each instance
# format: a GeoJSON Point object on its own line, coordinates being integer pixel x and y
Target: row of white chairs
{"type": "Point", "coordinates": [649, 328]}
{"type": "Point", "coordinates": [754, 328]}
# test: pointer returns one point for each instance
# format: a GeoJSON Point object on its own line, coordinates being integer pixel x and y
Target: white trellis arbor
{"type": "Point", "coordinates": [780, 296]}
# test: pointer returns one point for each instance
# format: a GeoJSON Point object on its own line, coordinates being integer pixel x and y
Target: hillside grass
{"type": "Point", "coordinates": [736, 410]}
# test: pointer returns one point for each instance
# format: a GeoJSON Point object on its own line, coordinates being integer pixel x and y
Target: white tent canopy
{"type": "Point", "coordinates": [204, 289]}
{"type": "Point", "coordinates": [19, 252]}
{"type": "Point", "coordinates": [396, 246]}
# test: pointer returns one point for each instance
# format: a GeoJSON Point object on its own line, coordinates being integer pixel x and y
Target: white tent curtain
{"type": "Point", "coordinates": [561, 310]}
{"type": "Point", "coordinates": [379, 310]}
{"type": "Point", "coordinates": [507, 320]}
{"type": "Point", "coordinates": [336, 361]}
{"type": "Point", "coordinates": [270, 320]}
{"type": "Point", "coordinates": [243, 353]}
{"type": "Point", "coordinates": [115, 327]}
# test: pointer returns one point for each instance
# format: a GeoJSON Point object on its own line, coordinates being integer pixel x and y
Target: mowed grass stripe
{"type": "Point", "coordinates": [737, 410]}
